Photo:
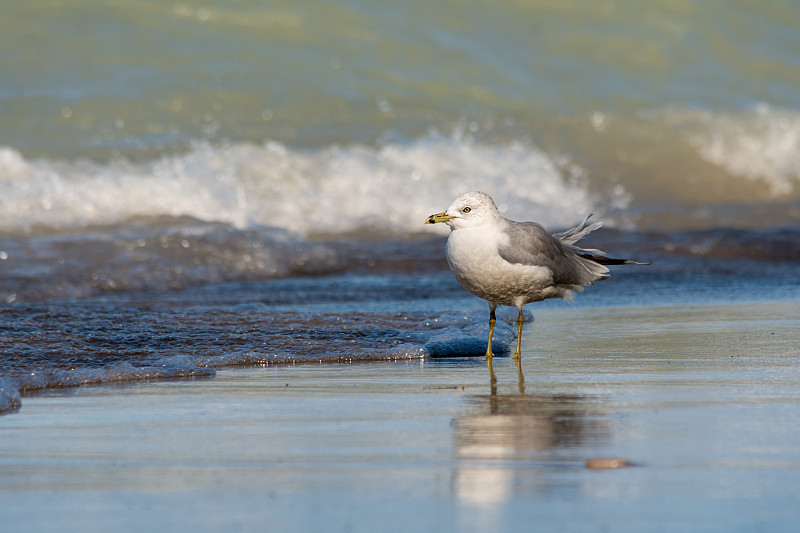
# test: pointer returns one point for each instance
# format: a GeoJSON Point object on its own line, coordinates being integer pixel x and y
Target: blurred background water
{"type": "Point", "coordinates": [151, 145]}
{"type": "Point", "coordinates": [251, 112]}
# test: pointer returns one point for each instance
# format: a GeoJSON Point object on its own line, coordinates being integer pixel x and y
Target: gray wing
{"type": "Point", "coordinates": [530, 244]}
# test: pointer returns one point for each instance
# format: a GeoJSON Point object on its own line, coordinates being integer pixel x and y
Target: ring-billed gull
{"type": "Point", "coordinates": [516, 263]}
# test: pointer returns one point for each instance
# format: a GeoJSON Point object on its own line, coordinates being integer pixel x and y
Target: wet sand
{"type": "Point", "coordinates": [701, 403]}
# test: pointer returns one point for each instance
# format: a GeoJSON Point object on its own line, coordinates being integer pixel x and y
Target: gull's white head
{"type": "Point", "coordinates": [468, 210]}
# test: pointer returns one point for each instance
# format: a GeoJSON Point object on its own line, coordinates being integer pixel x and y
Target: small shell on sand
{"type": "Point", "coordinates": [606, 463]}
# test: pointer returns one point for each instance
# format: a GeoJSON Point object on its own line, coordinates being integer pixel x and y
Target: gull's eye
{"type": "Point", "coordinates": [466, 210]}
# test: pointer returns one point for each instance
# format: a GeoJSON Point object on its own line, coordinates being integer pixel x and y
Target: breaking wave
{"type": "Point", "coordinates": [336, 189]}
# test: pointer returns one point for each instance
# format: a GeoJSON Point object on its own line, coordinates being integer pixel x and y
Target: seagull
{"type": "Point", "coordinates": [516, 263]}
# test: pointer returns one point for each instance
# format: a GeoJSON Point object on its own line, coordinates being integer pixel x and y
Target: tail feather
{"type": "Point", "coordinates": [603, 260]}
{"type": "Point", "coordinates": [573, 235]}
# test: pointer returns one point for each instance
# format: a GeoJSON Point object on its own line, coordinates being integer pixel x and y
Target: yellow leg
{"type": "Point", "coordinates": [520, 322]}
{"type": "Point", "coordinates": [492, 320]}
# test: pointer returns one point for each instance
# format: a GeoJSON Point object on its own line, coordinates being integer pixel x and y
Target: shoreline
{"type": "Point", "coordinates": [189, 368]}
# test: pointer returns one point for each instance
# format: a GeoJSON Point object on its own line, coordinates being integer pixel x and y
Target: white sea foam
{"type": "Point", "coordinates": [762, 144]}
{"type": "Point", "coordinates": [391, 187]}
{"type": "Point", "coordinates": [334, 189]}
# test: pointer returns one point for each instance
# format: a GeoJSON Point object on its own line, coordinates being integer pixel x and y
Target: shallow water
{"type": "Point", "coordinates": [708, 424]}
{"type": "Point", "coordinates": [353, 316]}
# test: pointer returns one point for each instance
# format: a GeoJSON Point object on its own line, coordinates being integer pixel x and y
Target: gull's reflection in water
{"type": "Point", "coordinates": [511, 443]}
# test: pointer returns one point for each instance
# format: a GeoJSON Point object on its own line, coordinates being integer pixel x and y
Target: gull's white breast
{"type": "Point", "coordinates": [473, 256]}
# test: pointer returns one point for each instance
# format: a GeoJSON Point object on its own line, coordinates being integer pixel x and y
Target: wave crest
{"type": "Point", "coordinates": [335, 189]}
{"type": "Point", "coordinates": [760, 145]}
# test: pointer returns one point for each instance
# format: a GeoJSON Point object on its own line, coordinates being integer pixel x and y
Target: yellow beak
{"type": "Point", "coordinates": [438, 217]}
